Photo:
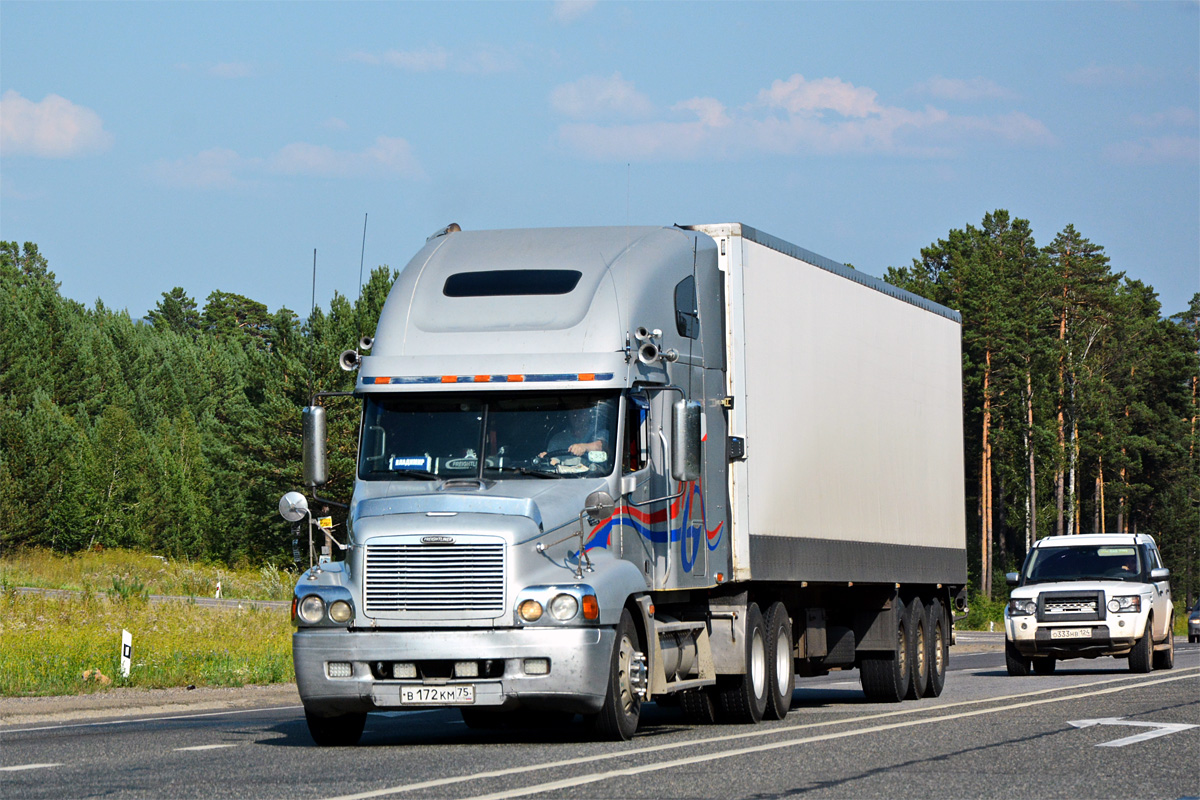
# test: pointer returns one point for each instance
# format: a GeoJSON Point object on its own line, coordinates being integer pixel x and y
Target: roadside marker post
{"type": "Point", "coordinates": [126, 652]}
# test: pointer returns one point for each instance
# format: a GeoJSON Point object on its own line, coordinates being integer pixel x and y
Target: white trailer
{"type": "Point", "coordinates": [770, 484]}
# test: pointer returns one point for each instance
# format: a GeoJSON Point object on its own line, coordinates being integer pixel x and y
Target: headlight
{"type": "Point", "coordinates": [311, 609]}
{"type": "Point", "coordinates": [340, 611]}
{"type": "Point", "coordinates": [530, 610]}
{"type": "Point", "coordinates": [1125, 604]}
{"type": "Point", "coordinates": [1021, 608]}
{"type": "Point", "coordinates": [563, 607]}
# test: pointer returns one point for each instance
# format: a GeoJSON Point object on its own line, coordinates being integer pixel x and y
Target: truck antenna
{"type": "Point", "coordinates": [362, 256]}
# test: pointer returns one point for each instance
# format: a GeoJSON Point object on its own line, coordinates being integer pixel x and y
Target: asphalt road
{"type": "Point", "coordinates": [987, 736]}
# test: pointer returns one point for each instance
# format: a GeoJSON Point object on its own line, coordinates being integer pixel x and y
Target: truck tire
{"type": "Point", "coordinates": [743, 698]}
{"type": "Point", "coordinates": [1141, 657]}
{"type": "Point", "coordinates": [1044, 665]}
{"type": "Point", "coordinates": [938, 637]}
{"type": "Point", "coordinates": [343, 730]}
{"type": "Point", "coordinates": [1165, 658]}
{"type": "Point", "coordinates": [781, 675]}
{"type": "Point", "coordinates": [699, 706]}
{"type": "Point", "coordinates": [885, 676]}
{"type": "Point", "coordinates": [1017, 664]}
{"type": "Point", "coordinates": [619, 716]}
{"type": "Point", "coordinates": [918, 661]}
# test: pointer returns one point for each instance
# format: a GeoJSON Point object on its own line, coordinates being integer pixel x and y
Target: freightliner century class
{"type": "Point", "coordinates": [604, 466]}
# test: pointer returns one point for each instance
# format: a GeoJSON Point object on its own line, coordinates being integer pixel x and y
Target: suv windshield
{"type": "Point", "coordinates": [1093, 562]}
{"type": "Point", "coordinates": [525, 435]}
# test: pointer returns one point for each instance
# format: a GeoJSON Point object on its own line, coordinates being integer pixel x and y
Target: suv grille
{"type": "Point", "coordinates": [1071, 606]}
{"type": "Point", "coordinates": [434, 577]}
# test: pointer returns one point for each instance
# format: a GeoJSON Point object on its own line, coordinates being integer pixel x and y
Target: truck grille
{"type": "Point", "coordinates": [434, 577]}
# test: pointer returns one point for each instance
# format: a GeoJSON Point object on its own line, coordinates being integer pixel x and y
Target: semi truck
{"type": "Point", "coordinates": [599, 467]}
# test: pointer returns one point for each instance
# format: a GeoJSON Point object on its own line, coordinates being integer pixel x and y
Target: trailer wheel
{"type": "Point", "coordinates": [744, 697]}
{"type": "Point", "coordinates": [939, 647]}
{"type": "Point", "coordinates": [343, 730]}
{"type": "Point", "coordinates": [622, 709]}
{"type": "Point", "coordinates": [1141, 656]}
{"type": "Point", "coordinates": [699, 706]}
{"type": "Point", "coordinates": [782, 672]}
{"type": "Point", "coordinates": [919, 653]}
{"type": "Point", "coordinates": [885, 676]}
{"type": "Point", "coordinates": [1016, 664]}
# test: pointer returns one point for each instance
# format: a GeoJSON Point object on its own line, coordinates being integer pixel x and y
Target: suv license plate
{"type": "Point", "coordinates": [1071, 633]}
{"type": "Point", "coordinates": [461, 694]}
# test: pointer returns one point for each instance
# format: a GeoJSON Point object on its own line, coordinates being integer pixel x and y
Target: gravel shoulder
{"type": "Point", "coordinates": [139, 702]}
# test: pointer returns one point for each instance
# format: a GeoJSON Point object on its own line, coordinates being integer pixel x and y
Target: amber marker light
{"type": "Point", "coordinates": [591, 607]}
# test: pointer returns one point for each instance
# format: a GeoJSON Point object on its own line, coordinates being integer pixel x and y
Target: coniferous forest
{"type": "Point", "coordinates": [177, 433]}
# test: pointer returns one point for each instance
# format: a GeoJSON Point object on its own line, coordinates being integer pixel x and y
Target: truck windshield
{"type": "Point", "coordinates": [519, 434]}
{"type": "Point", "coordinates": [1104, 563]}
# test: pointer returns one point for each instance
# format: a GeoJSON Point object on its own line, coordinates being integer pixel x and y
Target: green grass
{"type": "Point", "coordinates": [124, 571]}
{"type": "Point", "coordinates": [48, 643]}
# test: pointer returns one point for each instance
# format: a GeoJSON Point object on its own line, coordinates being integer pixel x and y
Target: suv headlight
{"type": "Point", "coordinates": [1021, 608]}
{"type": "Point", "coordinates": [1130, 603]}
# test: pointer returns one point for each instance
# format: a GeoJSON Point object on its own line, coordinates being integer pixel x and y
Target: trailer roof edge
{"type": "Point", "coordinates": [827, 264]}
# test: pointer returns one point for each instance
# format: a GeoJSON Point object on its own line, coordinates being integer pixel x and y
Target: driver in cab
{"type": "Point", "coordinates": [578, 436]}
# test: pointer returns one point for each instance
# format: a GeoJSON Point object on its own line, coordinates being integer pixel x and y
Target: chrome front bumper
{"type": "Point", "coordinates": [577, 681]}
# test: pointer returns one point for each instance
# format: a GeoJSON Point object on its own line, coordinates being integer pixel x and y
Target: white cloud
{"type": "Point", "coordinates": [710, 111]}
{"type": "Point", "coordinates": [593, 97]}
{"type": "Point", "coordinates": [826, 116]}
{"type": "Point", "coordinates": [221, 168]}
{"type": "Point", "coordinates": [335, 124]}
{"type": "Point", "coordinates": [1107, 75]}
{"type": "Point", "coordinates": [1155, 150]}
{"type": "Point", "coordinates": [52, 128]}
{"type": "Point", "coordinates": [387, 156]}
{"type": "Point", "coordinates": [217, 168]}
{"type": "Point", "coordinates": [434, 58]}
{"type": "Point", "coordinates": [799, 96]}
{"type": "Point", "coordinates": [568, 11]}
{"type": "Point", "coordinates": [231, 69]}
{"type": "Point", "coordinates": [1178, 117]}
{"type": "Point", "coordinates": [963, 90]}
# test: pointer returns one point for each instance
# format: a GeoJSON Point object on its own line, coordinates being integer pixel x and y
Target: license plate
{"type": "Point", "coordinates": [460, 694]}
{"type": "Point", "coordinates": [1071, 633]}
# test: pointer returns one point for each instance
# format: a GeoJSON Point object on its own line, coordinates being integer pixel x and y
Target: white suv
{"type": "Point", "coordinates": [1087, 596]}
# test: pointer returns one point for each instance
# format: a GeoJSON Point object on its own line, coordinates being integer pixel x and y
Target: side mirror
{"type": "Point", "coordinates": [293, 506]}
{"type": "Point", "coordinates": [1160, 574]}
{"type": "Point", "coordinates": [1012, 578]}
{"type": "Point", "coordinates": [685, 440]}
{"type": "Point", "coordinates": [316, 471]}
{"type": "Point", "coordinates": [599, 506]}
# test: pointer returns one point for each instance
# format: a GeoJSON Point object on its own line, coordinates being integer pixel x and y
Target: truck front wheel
{"type": "Point", "coordinates": [343, 730]}
{"type": "Point", "coordinates": [622, 709]}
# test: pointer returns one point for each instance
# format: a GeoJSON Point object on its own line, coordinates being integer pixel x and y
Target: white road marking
{"type": "Point", "coordinates": [203, 747]}
{"type": "Point", "coordinates": [20, 767]}
{"type": "Point", "coordinates": [1160, 729]}
{"type": "Point", "coordinates": [660, 747]}
{"type": "Point", "coordinates": [683, 762]}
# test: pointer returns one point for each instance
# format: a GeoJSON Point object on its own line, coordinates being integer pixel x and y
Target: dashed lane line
{"type": "Point", "coordinates": [20, 767]}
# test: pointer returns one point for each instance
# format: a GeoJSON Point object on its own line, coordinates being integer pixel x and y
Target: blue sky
{"type": "Point", "coordinates": [214, 145]}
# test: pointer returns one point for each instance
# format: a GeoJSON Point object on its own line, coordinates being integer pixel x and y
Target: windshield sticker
{"type": "Point", "coordinates": [399, 463]}
{"type": "Point", "coordinates": [1116, 551]}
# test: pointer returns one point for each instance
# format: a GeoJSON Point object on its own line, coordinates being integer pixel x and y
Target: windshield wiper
{"type": "Point", "coordinates": [537, 473]}
{"type": "Point", "coordinates": [418, 474]}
